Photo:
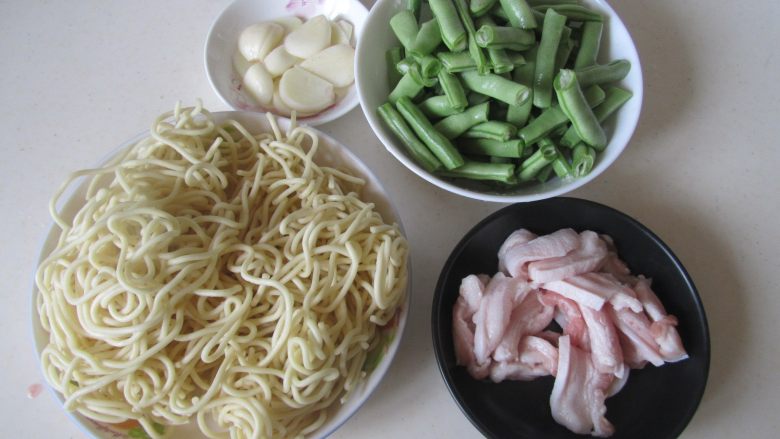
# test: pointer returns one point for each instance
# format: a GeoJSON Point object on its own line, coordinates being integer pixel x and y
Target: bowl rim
{"type": "Point", "coordinates": [439, 294]}
{"type": "Point", "coordinates": [409, 163]}
{"type": "Point", "coordinates": [337, 110]}
{"type": "Point", "coordinates": [368, 384]}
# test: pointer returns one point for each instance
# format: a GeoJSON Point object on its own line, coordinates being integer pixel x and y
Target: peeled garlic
{"type": "Point", "coordinates": [259, 84]}
{"type": "Point", "coordinates": [257, 40]}
{"type": "Point", "coordinates": [305, 92]}
{"type": "Point", "coordinates": [289, 23]}
{"type": "Point", "coordinates": [334, 64]}
{"type": "Point", "coordinates": [240, 64]}
{"type": "Point", "coordinates": [279, 60]}
{"type": "Point", "coordinates": [310, 38]}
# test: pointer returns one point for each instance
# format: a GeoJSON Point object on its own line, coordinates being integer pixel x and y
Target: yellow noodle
{"type": "Point", "coordinates": [219, 276]}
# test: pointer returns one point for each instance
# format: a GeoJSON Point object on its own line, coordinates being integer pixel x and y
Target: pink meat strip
{"type": "Point", "coordinates": [531, 316]}
{"type": "Point", "coordinates": [568, 316]}
{"type": "Point", "coordinates": [518, 237]}
{"type": "Point", "coordinates": [579, 392]}
{"type": "Point", "coordinates": [495, 308]}
{"type": "Point", "coordinates": [636, 334]}
{"type": "Point", "coordinates": [549, 246]}
{"type": "Point", "coordinates": [594, 290]}
{"type": "Point", "coordinates": [664, 325]}
{"type": "Point", "coordinates": [538, 357]}
{"type": "Point", "coordinates": [604, 342]}
{"type": "Point", "coordinates": [471, 291]}
{"type": "Point", "coordinates": [587, 257]}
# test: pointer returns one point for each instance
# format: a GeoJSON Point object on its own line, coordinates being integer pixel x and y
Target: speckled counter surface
{"type": "Point", "coordinates": [79, 78]}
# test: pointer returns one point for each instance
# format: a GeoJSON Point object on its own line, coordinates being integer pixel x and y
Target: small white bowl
{"type": "Point", "coordinates": [222, 43]}
{"type": "Point", "coordinates": [330, 153]}
{"type": "Point", "coordinates": [371, 80]}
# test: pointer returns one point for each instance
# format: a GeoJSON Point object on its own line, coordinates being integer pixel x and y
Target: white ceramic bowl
{"type": "Point", "coordinates": [330, 153]}
{"type": "Point", "coordinates": [222, 43]}
{"type": "Point", "coordinates": [371, 79]}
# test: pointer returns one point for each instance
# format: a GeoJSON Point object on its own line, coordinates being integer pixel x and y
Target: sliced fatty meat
{"type": "Point", "coordinates": [604, 342]}
{"type": "Point", "coordinates": [463, 338]}
{"type": "Point", "coordinates": [663, 328]}
{"type": "Point", "coordinates": [518, 237]}
{"type": "Point", "coordinates": [495, 308]}
{"type": "Point", "coordinates": [634, 330]}
{"type": "Point", "coordinates": [579, 392]}
{"type": "Point", "coordinates": [531, 316]}
{"type": "Point", "coordinates": [587, 257]}
{"type": "Point", "coordinates": [548, 246]}
{"type": "Point", "coordinates": [594, 290]}
{"type": "Point", "coordinates": [568, 316]}
{"type": "Point", "coordinates": [538, 357]}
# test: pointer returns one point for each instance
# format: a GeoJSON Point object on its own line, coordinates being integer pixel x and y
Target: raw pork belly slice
{"type": "Point", "coordinates": [538, 357]}
{"type": "Point", "coordinates": [471, 291]}
{"type": "Point", "coordinates": [531, 316]}
{"type": "Point", "coordinates": [569, 318]}
{"type": "Point", "coordinates": [579, 392]}
{"type": "Point", "coordinates": [495, 308]}
{"type": "Point", "coordinates": [604, 342]}
{"type": "Point", "coordinates": [595, 289]}
{"type": "Point", "coordinates": [663, 328]}
{"type": "Point", "coordinates": [589, 256]}
{"type": "Point", "coordinates": [549, 246]}
{"type": "Point", "coordinates": [635, 333]}
{"type": "Point", "coordinates": [518, 237]}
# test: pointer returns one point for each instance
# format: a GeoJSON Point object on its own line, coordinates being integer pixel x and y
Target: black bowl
{"type": "Point", "coordinates": [657, 402]}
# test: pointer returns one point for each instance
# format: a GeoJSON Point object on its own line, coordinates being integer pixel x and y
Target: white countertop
{"type": "Point", "coordinates": [79, 78]}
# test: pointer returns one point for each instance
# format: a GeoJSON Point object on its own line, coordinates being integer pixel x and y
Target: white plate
{"type": "Point", "coordinates": [330, 153]}
{"type": "Point", "coordinates": [371, 74]}
{"type": "Point", "coordinates": [222, 43]}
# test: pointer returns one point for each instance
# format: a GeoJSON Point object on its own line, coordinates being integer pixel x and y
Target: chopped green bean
{"type": "Point", "coordinates": [407, 86]}
{"type": "Point", "coordinates": [430, 66]}
{"type": "Point", "coordinates": [439, 145]}
{"type": "Point", "coordinates": [453, 90]}
{"type": "Point", "coordinates": [545, 173]}
{"type": "Point", "coordinates": [452, 32]}
{"type": "Point", "coordinates": [496, 87]}
{"type": "Point", "coordinates": [604, 73]}
{"type": "Point", "coordinates": [573, 104]}
{"type": "Point", "coordinates": [534, 164]}
{"type": "Point", "coordinates": [519, 13]}
{"type": "Point", "coordinates": [479, 8]}
{"type": "Point", "coordinates": [476, 98]}
{"type": "Point", "coordinates": [473, 170]}
{"type": "Point", "coordinates": [438, 107]}
{"type": "Point", "coordinates": [405, 65]}
{"type": "Point", "coordinates": [545, 58]}
{"type": "Point", "coordinates": [589, 44]}
{"type": "Point", "coordinates": [494, 148]}
{"type": "Point", "coordinates": [499, 59]}
{"type": "Point", "coordinates": [414, 6]}
{"type": "Point", "coordinates": [405, 27]}
{"type": "Point", "coordinates": [615, 97]}
{"type": "Point", "coordinates": [518, 60]}
{"type": "Point", "coordinates": [476, 52]}
{"type": "Point", "coordinates": [518, 114]}
{"type": "Point", "coordinates": [553, 118]}
{"type": "Point", "coordinates": [492, 129]}
{"type": "Point", "coordinates": [393, 56]}
{"type": "Point", "coordinates": [574, 12]}
{"type": "Point", "coordinates": [562, 167]}
{"type": "Point", "coordinates": [582, 160]}
{"type": "Point", "coordinates": [565, 46]}
{"type": "Point", "coordinates": [457, 124]}
{"type": "Point", "coordinates": [455, 62]}
{"type": "Point", "coordinates": [502, 36]}
{"type": "Point", "coordinates": [427, 40]}
{"type": "Point", "coordinates": [414, 147]}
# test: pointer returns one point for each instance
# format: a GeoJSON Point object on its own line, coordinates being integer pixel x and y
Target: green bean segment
{"type": "Point", "coordinates": [574, 12]}
{"type": "Point", "coordinates": [407, 86]}
{"type": "Point", "coordinates": [438, 107]}
{"type": "Point", "coordinates": [493, 148]}
{"type": "Point", "coordinates": [589, 44]}
{"type": "Point", "coordinates": [519, 13]}
{"type": "Point", "coordinates": [614, 98]}
{"type": "Point", "coordinates": [502, 36]}
{"type": "Point", "coordinates": [452, 31]}
{"type": "Point", "coordinates": [601, 74]}
{"type": "Point", "coordinates": [545, 58]}
{"type": "Point", "coordinates": [393, 56]}
{"type": "Point", "coordinates": [401, 129]}
{"type": "Point", "coordinates": [473, 170]}
{"type": "Point", "coordinates": [496, 87]}
{"type": "Point", "coordinates": [405, 27]}
{"type": "Point", "coordinates": [576, 108]}
{"type": "Point", "coordinates": [455, 62]}
{"type": "Point", "coordinates": [457, 124]}
{"type": "Point", "coordinates": [583, 158]}
{"type": "Point", "coordinates": [439, 145]}
{"type": "Point", "coordinates": [481, 7]}
{"type": "Point", "coordinates": [453, 90]}
{"type": "Point", "coordinates": [518, 114]}
{"type": "Point", "coordinates": [492, 129]}
{"type": "Point", "coordinates": [427, 40]}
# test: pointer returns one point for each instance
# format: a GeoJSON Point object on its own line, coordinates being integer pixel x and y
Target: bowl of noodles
{"type": "Point", "coordinates": [223, 275]}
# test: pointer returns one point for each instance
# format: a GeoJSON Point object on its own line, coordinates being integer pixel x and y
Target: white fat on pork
{"type": "Point", "coordinates": [518, 237]}
{"type": "Point", "coordinates": [634, 330]}
{"type": "Point", "coordinates": [554, 245]}
{"type": "Point", "coordinates": [568, 316]}
{"type": "Point", "coordinates": [471, 291]}
{"type": "Point", "coordinates": [495, 308]}
{"type": "Point", "coordinates": [663, 328]}
{"type": "Point", "coordinates": [594, 290]}
{"type": "Point", "coordinates": [604, 342]}
{"type": "Point", "coordinates": [587, 257]}
{"type": "Point", "coordinates": [579, 392]}
{"type": "Point", "coordinates": [531, 316]}
{"type": "Point", "coordinates": [537, 358]}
